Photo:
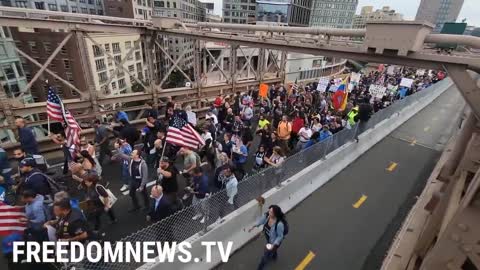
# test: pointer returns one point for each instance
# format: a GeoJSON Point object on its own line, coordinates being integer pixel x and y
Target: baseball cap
{"type": "Point", "coordinates": [27, 162]}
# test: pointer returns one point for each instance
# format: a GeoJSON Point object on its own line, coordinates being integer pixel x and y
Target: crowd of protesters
{"type": "Point", "coordinates": [244, 133]}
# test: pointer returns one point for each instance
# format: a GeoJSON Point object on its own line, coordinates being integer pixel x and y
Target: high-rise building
{"type": "Point", "coordinates": [286, 12]}
{"type": "Point", "coordinates": [188, 11]}
{"type": "Point", "coordinates": [439, 12]}
{"type": "Point", "coordinates": [80, 6]}
{"type": "Point", "coordinates": [368, 15]}
{"type": "Point", "coordinates": [12, 75]}
{"type": "Point", "coordinates": [243, 11]}
{"type": "Point", "coordinates": [135, 9]}
{"type": "Point", "coordinates": [333, 13]}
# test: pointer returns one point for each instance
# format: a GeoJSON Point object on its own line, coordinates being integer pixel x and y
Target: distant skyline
{"type": "Point", "coordinates": [470, 9]}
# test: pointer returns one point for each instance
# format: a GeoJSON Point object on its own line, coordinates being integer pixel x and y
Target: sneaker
{"type": "Point", "coordinates": [197, 216]}
{"type": "Point", "coordinates": [203, 220]}
{"type": "Point", "coordinates": [124, 188]}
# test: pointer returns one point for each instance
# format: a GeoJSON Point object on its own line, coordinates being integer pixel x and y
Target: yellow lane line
{"type": "Point", "coordinates": [305, 261]}
{"type": "Point", "coordinates": [392, 166]}
{"type": "Point", "coordinates": [360, 201]}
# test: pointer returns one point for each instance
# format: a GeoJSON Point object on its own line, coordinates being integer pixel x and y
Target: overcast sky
{"type": "Point", "coordinates": [470, 10]}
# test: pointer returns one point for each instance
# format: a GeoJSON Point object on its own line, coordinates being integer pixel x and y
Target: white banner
{"type": "Point", "coordinates": [420, 72]}
{"type": "Point", "coordinates": [323, 84]}
{"type": "Point", "coordinates": [391, 70]}
{"type": "Point", "coordinates": [377, 91]}
{"type": "Point", "coordinates": [355, 78]}
{"type": "Point", "coordinates": [406, 82]}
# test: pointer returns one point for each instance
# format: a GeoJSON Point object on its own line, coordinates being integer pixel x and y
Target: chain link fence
{"type": "Point", "coordinates": [180, 226]}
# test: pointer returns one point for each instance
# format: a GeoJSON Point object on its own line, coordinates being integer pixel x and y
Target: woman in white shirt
{"type": "Point", "coordinates": [276, 158]}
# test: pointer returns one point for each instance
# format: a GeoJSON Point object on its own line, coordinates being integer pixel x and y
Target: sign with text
{"type": "Point", "coordinates": [323, 84]}
{"type": "Point", "coordinates": [406, 82]}
{"type": "Point", "coordinates": [377, 91]}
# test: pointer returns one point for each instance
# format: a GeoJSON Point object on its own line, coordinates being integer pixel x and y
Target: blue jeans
{"type": "Point", "coordinates": [125, 176]}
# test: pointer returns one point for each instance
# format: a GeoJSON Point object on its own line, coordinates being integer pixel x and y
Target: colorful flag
{"type": "Point", "coordinates": [339, 99]}
{"type": "Point", "coordinates": [181, 133]}
{"type": "Point", "coordinates": [57, 111]}
{"type": "Point", "coordinates": [10, 219]}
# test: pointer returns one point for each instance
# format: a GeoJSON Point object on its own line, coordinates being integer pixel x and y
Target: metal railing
{"type": "Point", "coordinates": [180, 226]}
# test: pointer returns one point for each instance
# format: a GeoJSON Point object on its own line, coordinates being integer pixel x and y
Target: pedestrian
{"type": "Point", "coordinates": [102, 140]}
{"type": "Point", "coordinates": [275, 228]}
{"type": "Point", "coordinates": [191, 160]}
{"type": "Point", "coordinates": [98, 200]}
{"type": "Point", "coordinates": [67, 154]}
{"type": "Point", "coordinates": [35, 215]}
{"type": "Point", "coordinates": [138, 171]}
{"type": "Point", "coordinates": [365, 111]}
{"type": "Point", "coordinates": [230, 184]}
{"type": "Point", "coordinates": [303, 136]}
{"type": "Point", "coordinates": [200, 191]}
{"type": "Point", "coordinates": [159, 205]}
{"type": "Point", "coordinates": [26, 137]}
{"type": "Point", "coordinates": [284, 131]}
{"type": "Point", "coordinates": [124, 148]}
{"type": "Point", "coordinates": [259, 158]}
{"type": "Point", "coordinates": [167, 177]}
{"type": "Point", "coordinates": [240, 155]}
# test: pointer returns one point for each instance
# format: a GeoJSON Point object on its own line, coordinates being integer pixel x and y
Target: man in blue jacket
{"type": "Point", "coordinates": [26, 137]}
{"type": "Point", "coordinates": [34, 179]}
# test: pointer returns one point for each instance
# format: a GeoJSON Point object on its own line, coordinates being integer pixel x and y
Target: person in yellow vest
{"type": "Point", "coordinates": [284, 131]}
{"type": "Point", "coordinates": [351, 116]}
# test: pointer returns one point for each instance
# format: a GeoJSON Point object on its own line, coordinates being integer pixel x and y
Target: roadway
{"type": "Point", "coordinates": [343, 231]}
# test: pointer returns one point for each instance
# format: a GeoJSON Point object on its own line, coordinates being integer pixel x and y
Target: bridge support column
{"type": "Point", "coordinates": [260, 65]}
{"type": "Point", "coordinates": [149, 49]}
{"type": "Point", "coordinates": [233, 66]}
{"type": "Point", "coordinates": [87, 74]}
{"type": "Point", "coordinates": [283, 65]}
{"type": "Point", "coordinates": [197, 70]}
{"type": "Point", "coordinates": [467, 86]}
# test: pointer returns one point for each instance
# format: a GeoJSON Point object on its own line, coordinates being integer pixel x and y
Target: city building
{"type": "Point", "coordinates": [136, 9]}
{"type": "Point", "coordinates": [12, 75]}
{"type": "Point", "coordinates": [106, 76]}
{"type": "Point", "coordinates": [243, 11]}
{"type": "Point", "coordinates": [333, 13]}
{"type": "Point", "coordinates": [78, 6]}
{"type": "Point", "coordinates": [368, 15]}
{"type": "Point", "coordinates": [439, 12]}
{"type": "Point", "coordinates": [289, 12]}
{"type": "Point", "coordinates": [188, 11]}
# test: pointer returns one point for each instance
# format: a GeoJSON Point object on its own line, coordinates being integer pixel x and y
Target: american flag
{"type": "Point", "coordinates": [10, 219]}
{"type": "Point", "coordinates": [57, 111]}
{"type": "Point", "coordinates": [181, 133]}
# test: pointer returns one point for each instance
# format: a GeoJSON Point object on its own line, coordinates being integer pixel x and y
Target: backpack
{"type": "Point", "coordinates": [54, 186]}
{"type": "Point", "coordinates": [285, 225]}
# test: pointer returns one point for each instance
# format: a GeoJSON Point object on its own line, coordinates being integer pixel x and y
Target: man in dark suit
{"type": "Point", "coordinates": [160, 207]}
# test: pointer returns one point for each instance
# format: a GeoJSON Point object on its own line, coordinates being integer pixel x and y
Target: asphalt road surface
{"type": "Point", "coordinates": [349, 223]}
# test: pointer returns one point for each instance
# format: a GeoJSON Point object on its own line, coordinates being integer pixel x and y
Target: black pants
{"type": "Point", "coordinates": [134, 185]}
{"type": "Point", "coordinates": [104, 151]}
{"type": "Point", "coordinates": [95, 217]}
{"type": "Point", "coordinates": [268, 255]}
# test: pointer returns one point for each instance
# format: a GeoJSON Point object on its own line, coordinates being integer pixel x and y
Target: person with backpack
{"type": "Point", "coordinates": [275, 228]}
{"type": "Point", "coordinates": [365, 111]}
{"type": "Point", "coordinates": [37, 181]}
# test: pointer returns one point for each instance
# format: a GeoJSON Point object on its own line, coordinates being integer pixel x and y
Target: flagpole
{"type": "Point", "coordinates": [161, 157]}
{"type": "Point", "coordinates": [48, 124]}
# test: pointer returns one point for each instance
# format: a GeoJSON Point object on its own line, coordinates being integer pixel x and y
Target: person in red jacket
{"type": "Point", "coordinates": [297, 123]}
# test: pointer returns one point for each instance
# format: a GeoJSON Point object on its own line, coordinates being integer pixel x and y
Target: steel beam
{"type": "Point", "coordinates": [233, 65]}
{"type": "Point", "coordinates": [49, 60]}
{"type": "Point", "coordinates": [466, 85]}
{"type": "Point", "coordinates": [175, 64]}
{"type": "Point", "coordinates": [149, 49]}
{"type": "Point", "coordinates": [431, 60]}
{"type": "Point", "coordinates": [67, 83]}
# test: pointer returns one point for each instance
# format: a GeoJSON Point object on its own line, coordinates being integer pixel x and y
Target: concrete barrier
{"type": "Point", "coordinates": [294, 190]}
